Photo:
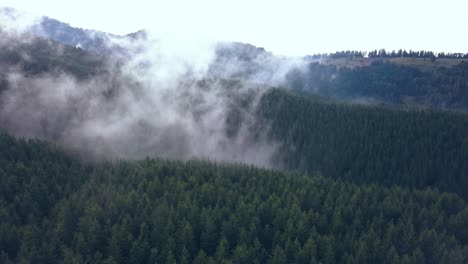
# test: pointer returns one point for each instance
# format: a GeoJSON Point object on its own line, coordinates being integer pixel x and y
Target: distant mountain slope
{"type": "Point", "coordinates": [56, 30]}
{"type": "Point", "coordinates": [234, 60]}
{"type": "Point", "coordinates": [35, 55]}
{"type": "Point", "coordinates": [76, 37]}
{"type": "Point", "coordinates": [52, 29]}
{"type": "Point", "coordinates": [387, 82]}
{"type": "Point", "coordinates": [439, 83]}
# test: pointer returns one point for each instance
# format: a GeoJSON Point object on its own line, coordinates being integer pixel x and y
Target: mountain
{"type": "Point", "coordinates": [362, 143]}
{"type": "Point", "coordinates": [61, 32]}
{"type": "Point", "coordinates": [411, 147]}
{"type": "Point", "coordinates": [144, 152]}
{"type": "Point", "coordinates": [35, 55]}
{"type": "Point", "coordinates": [404, 81]}
{"type": "Point", "coordinates": [76, 37]}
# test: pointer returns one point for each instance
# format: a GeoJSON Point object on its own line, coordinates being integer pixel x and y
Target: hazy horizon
{"type": "Point", "coordinates": [291, 28]}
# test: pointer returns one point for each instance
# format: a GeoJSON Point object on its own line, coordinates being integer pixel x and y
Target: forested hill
{"type": "Point", "coordinates": [359, 143]}
{"type": "Point", "coordinates": [417, 78]}
{"type": "Point", "coordinates": [56, 30]}
{"type": "Point", "coordinates": [369, 144]}
{"type": "Point", "coordinates": [54, 209]}
{"type": "Point", "coordinates": [397, 81]}
{"type": "Point", "coordinates": [32, 55]}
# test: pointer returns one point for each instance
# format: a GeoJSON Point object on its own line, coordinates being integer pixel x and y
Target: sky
{"type": "Point", "coordinates": [292, 27]}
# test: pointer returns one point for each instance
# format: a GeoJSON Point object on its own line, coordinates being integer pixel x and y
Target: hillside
{"type": "Point", "coordinates": [32, 55]}
{"type": "Point", "coordinates": [369, 144]}
{"type": "Point", "coordinates": [167, 211]}
{"type": "Point", "coordinates": [388, 82]}
{"type": "Point", "coordinates": [277, 128]}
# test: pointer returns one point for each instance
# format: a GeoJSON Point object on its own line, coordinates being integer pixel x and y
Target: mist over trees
{"type": "Point", "coordinates": [153, 149]}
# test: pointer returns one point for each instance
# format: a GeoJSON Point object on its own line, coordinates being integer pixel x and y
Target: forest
{"type": "Point", "coordinates": [157, 211]}
{"type": "Point", "coordinates": [368, 163]}
{"type": "Point", "coordinates": [370, 184]}
{"type": "Point", "coordinates": [386, 82]}
{"type": "Point", "coordinates": [369, 144]}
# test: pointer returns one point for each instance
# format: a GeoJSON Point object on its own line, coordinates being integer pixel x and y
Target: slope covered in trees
{"type": "Point", "coordinates": [33, 55]}
{"type": "Point", "coordinates": [166, 212]}
{"type": "Point", "coordinates": [370, 144]}
{"type": "Point", "coordinates": [387, 82]}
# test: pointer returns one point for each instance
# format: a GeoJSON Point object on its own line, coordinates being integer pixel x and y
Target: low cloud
{"type": "Point", "coordinates": [163, 96]}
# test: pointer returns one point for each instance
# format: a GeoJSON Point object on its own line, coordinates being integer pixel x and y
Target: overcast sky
{"type": "Point", "coordinates": [285, 27]}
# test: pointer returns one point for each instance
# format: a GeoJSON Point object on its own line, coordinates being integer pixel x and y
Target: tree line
{"type": "Point", "coordinates": [382, 53]}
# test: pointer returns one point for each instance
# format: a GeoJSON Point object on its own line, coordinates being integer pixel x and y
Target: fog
{"type": "Point", "coordinates": [175, 97]}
